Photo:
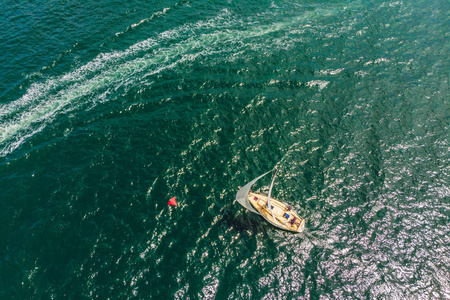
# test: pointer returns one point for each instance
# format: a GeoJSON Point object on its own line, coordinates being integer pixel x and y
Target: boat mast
{"type": "Point", "coordinates": [270, 192]}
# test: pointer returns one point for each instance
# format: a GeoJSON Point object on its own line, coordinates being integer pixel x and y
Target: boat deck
{"type": "Point", "coordinates": [293, 223]}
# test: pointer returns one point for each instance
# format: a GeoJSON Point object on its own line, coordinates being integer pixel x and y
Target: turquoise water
{"type": "Point", "coordinates": [110, 108]}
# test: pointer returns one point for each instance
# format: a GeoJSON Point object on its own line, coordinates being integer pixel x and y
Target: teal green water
{"type": "Point", "coordinates": [110, 108]}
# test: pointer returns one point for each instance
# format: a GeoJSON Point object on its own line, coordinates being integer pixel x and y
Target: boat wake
{"type": "Point", "coordinates": [116, 72]}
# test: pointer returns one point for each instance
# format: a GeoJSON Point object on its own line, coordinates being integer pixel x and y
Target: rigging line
{"type": "Point", "coordinates": [288, 151]}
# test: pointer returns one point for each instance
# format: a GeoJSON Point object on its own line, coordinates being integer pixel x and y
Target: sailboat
{"type": "Point", "coordinates": [277, 213]}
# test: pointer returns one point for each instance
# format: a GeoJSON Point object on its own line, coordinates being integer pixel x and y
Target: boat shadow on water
{"type": "Point", "coordinates": [242, 221]}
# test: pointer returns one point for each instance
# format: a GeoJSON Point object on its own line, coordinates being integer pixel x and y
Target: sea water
{"type": "Point", "coordinates": [110, 108]}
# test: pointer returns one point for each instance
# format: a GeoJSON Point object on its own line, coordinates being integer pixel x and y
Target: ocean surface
{"type": "Point", "coordinates": [110, 108]}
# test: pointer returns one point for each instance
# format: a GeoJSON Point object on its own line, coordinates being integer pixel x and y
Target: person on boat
{"type": "Point", "coordinates": [293, 221]}
{"type": "Point", "coordinates": [286, 215]}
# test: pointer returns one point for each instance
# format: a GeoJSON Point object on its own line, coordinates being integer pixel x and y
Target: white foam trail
{"type": "Point", "coordinates": [42, 102]}
{"type": "Point", "coordinates": [28, 115]}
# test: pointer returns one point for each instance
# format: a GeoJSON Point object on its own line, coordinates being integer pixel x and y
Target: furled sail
{"type": "Point", "coordinates": [242, 194]}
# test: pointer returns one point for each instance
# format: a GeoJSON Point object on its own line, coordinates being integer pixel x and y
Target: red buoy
{"type": "Point", "coordinates": [172, 201]}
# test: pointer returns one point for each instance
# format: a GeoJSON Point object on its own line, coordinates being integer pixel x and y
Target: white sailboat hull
{"type": "Point", "coordinates": [284, 218]}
